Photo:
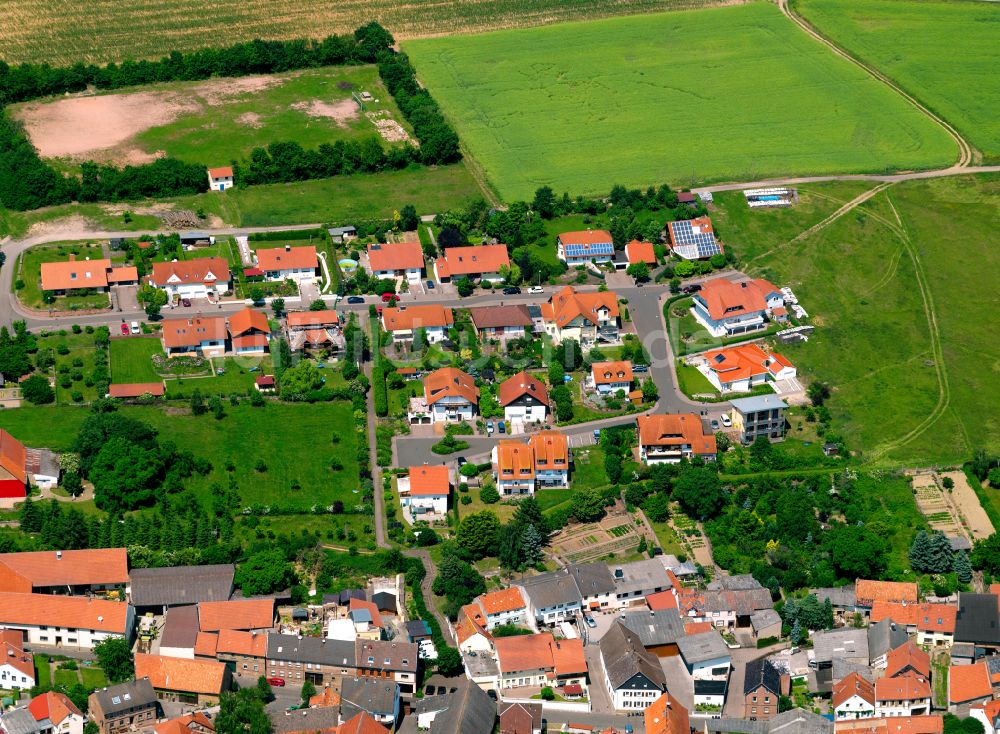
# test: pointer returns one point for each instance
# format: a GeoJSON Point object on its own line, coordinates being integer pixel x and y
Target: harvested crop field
{"type": "Point", "coordinates": [700, 95]}
{"type": "Point", "coordinates": [63, 32]}
{"type": "Point", "coordinates": [210, 122]}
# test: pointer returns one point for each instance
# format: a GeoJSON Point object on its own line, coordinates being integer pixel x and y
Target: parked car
{"type": "Point", "coordinates": [715, 425]}
{"type": "Point", "coordinates": [462, 461]}
{"type": "Point", "coordinates": [591, 622]}
{"type": "Point", "coordinates": [501, 427]}
{"type": "Point", "coordinates": [727, 421]}
{"type": "Point", "coordinates": [186, 302]}
{"type": "Point", "coordinates": [355, 299]}
{"type": "Point", "coordinates": [511, 291]}
{"type": "Point", "coordinates": [386, 297]}
{"type": "Point", "coordinates": [489, 428]}
{"type": "Point", "coordinates": [135, 328]}
{"type": "Point", "coordinates": [536, 289]}
{"type": "Point", "coordinates": [124, 329]}
{"type": "Point", "coordinates": [693, 288]}
{"type": "Point", "coordinates": [430, 285]}
{"type": "Point", "coordinates": [277, 682]}
{"type": "Point", "coordinates": [597, 434]}
{"type": "Point", "coordinates": [640, 368]}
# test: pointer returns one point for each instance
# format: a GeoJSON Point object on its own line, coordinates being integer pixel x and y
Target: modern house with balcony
{"type": "Point", "coordinates": [728, 308]}
{"type": "Point", "coordinates": [450, 396]}
{"type": "Point", "coordinates": [585, 317]}
{"type": "Point", "coordinates": [762, 415]}
{"type": "Point", "coordinates": [668, 438]}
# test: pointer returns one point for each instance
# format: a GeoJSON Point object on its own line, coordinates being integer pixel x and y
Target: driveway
{"type": "Point", "coordinates": [600, 699]}
{"type": "Point", "coordinates": [126, 298]}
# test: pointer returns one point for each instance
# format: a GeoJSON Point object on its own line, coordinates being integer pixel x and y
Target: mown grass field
{"type": "Point", "coordinates": [702, 95]}
{"type": "Point", "coordinates": [913, 362]}
{"type": "Point", "coordinates": [132, 359]}
{"type": "Point", "coordinates": [62, 31]}
{"type": "Point", "coordinates": [945, 54]}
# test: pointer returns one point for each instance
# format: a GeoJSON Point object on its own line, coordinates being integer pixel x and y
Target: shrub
{"type": "Point", "coordinates": [489, 495]}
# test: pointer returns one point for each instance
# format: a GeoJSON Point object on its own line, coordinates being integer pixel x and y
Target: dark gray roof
{"type": "Point", "coordinates": [466, 711]}
{"type": "Point", "coordinates": [340, 231]}
{"type": "Point", "coordinates": [640, 576]}
{"type": "Point", "coordinates": [960, 543]}
{"type": "Point", "coordinates": [742, 602]}
{"type": "Point", "coordinates": [704, 687]}
{"type": "Point", "coordinates": [978, 619]}
{"type": "Point", "coordinates": [418, 628]}
{"type": "Point", "coordinates": [124, 696]}
{"type": "Point", "coordinates": [624, 656]}
{"type": "Point", "coordinates": [884, 636]}
{"type": "Point", "coordinates": [384, 600]}
{"type": "Point", "coordinates": [310, 650]}
{"type": "Point", "coordinates": [662, 627]}
{"type": "Point", "coordinates": [841, 596]}
{"type": "Point", "coordinates": [305, 720]}
{"type": "Point", "coordinates": [346, 595]}
{"type": "Point", "coordinates": [993, 664]}
{"type": "Point", "coordinates": [963, 650]}
{"type": "Point", "coordinates": [20, 721]}
{"type": "Point", "coordinates": [176, 585]}
{"type": "Point", "coordinates": [377, 696]}
{"type": "Point", "coordinates": [741, 582]}
{"type": "Point", "coordinates": [759, 673]}
{"type": "Point", "coordinates": [843, 668]}
{"type": "Point", "coordinates": [796, 721]}
{"type": "Point", "coordinates": [592, 579]}
{"type": "Point", "coordinates": [702, 647]}
{"type": "Point", "coordinates": [848, 643]}
{"type": "Point", "coordinates": [180, 627]}
{"type": "Point", "coordinates": [764, 618]}
{"type": "Point", "coordinates": [551, 589]}
{"type": "Point", "coordinates": [387, 655]}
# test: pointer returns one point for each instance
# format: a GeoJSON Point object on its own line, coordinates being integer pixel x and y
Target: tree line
{"type": "Point", "coordinates": [28, 182]}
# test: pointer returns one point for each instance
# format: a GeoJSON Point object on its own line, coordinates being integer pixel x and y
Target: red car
{"type": "Point", "coordinates": [279, 682]}
{"type": "Point", "coordinates": [386, 297]}
{"type": "Point", "coordinates": [124, 329]}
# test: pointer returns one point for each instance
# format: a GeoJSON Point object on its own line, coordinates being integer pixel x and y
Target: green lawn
{"type": "Point", "coordinates": [913, 371]}
{"type": "Point", "coordinates": [29, 271]}
{"type": "Point", "coordinates": [237, 377]}
{"type": "Point", "coordinates": [943, 53]}
{"type": "Point", "coordinates": [93, 678]}
{"type": "Point", "coordinates": [66, 678]}
{"type": "Point", "coordinates": [588, 468]}
{"type": "Point", "coordinates": [43, 672]}
{"type": "Point", "coordinates": [692, 382]}
{"type": "Point", "coordinates": [73, 370]}
{"type": "Point", "coordinates": [701, 95]}
{"type": "Point", "coordinates": [131, 359]}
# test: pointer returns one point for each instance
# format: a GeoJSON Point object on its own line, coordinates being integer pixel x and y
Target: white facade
{"type": "Point", "coordinates": [82, 639]}
{"type": "Point", "coordinates": [610, 388]}
{"type": "Point", "coordinates": [854, 708]}
{"type": "Point", "coordinates": [512, 616]}
{"type": "Point", "coordinates": [630, 699]}
{"type": "Point", "coordinates": [551, 478]}
{"type": "Point", "coordinates": [476, 643]}
{"type": "Point", "coordinates": [174, 287]}
{"type": "Point", "coordinates": [220, 183]}
{"type": "Point", "coordinates": [714, 669]}
{"type": "Point", "coordinates": [934, 638]}
{"type": "Point", "coordinates": [436, 503]}
{"type": "Point", "coordinates": [533, 413]}
{"type": "Point", "coordinates": [914, 707]}
{"type": "Point", "coordinates": [177, 652]}
{"type": "Point", "coordinates": [12, 679]}
{"type": "Point", "coordinates": [556, 614]}
{"type": "Point", "coordinates": [300, 275]}
{"type": "Point", "coordinates": [452, 410]}
{"type": "Point", "coordinates": [432, 334]}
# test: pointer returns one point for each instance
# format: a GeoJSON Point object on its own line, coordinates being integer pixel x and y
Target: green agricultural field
{"type": "Point", "coordinates": [912, 360]}
{"type": "Point", "coordinates": [64, 32]}
{"type": "Point", "coordinates": [945, 54]}
{"type": "Point", "coordinates": [701, 95]}
{"type": "Point", "coordinates": [132, 359]}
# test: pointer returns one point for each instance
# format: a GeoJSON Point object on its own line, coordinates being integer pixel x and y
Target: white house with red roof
{"type": "Point", "coordinates": [289, 263]}
{"type": "Point", "coordinates": [478, 261]}
{"type": "Point", "coordinates": [744, 367]}
{"type": "Point", "coordinates": [17, 669]}
{"type": "Point", "coordinates": [592, 245]}
{"type": "Point", "coordinates": [396, 260]}
{"type": "Point", "coordinates": [504, 606]}
{"type": "Point", "coordinates": [221, 178]}
{"type": "Point", "coordinates": [54, 712]}
{"type": "Point", "coordinates": [728, 308]}
{"type": "Point", "coordinates": [425, 490]}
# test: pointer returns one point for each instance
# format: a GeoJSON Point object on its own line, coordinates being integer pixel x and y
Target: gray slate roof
{"type": "Point", "coordinates": [702, 647]}
{"type": "Point", "coordinates": [761, 672]}
{"type": "Point", "coordinates": [841, 596]}
{"type": "Point", "coordinates": [20, 721]}
{"type": "Point", "coordinates": [843, 668]}
{"type": "Point", "coordinates": [884, 636]}
{"type": "Point", "coordinates": [978, 619]}
{"type": "Point", "coordinates": [154, 587]}
{"type": "Point", "coordinates": [133, 694]}
{"type": "Point", "coordinates": [592, 579]}
{"type": "Point", "coordinates": [310, 650]}
{"type": "Point", "coordinates": [662, 627]}
{"type": "Point", "coordinates": [847, 643]}
{"type": "Point", "coordinates": [466, 711]}
{"type": "Point", "coordinates": [624, 656]}
{"type": "Point", "coordinates": [376, 696]}
{"type": "Point", "coordinates": [740, 582]}
{"type": "Point", "coordinates": [796, 721]}
{"type": "Point", "coordinates": [551, 589]}
{"type": "Point", "coordinates": [640, 575]}
{"type": "Point", "coordinates": [305, 720]}
{"type": "Point", "coordinates": [760, 402]}
{"type": "Point", "coordinates": [180, 627]}
{"type": "Point", "coordinates": [764, 618]}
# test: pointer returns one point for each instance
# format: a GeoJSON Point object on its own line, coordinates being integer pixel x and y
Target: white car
{"type": "Point", "coordinates": [135, 327]}
{"type": "Point", "coordinates": [536, 289]}
{"type": "Point", "coordinates": [726, 420]}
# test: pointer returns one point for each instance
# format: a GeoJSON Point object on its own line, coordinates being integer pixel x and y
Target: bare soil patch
{"type": "Point", "coordinates": [250, 119]}
{"type": "Point", "coordinates": [978, 522]}
{"type": "Point", "coordinates": [389, 129]}
{"type": "Point", "coordinates": [342, 112]}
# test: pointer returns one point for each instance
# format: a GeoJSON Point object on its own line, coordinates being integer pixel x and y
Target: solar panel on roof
{"type": "Point", "coordinates": [691, 244]}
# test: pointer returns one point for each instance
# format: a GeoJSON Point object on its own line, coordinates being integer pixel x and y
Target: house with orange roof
{"type": "Point", "coordinates": [243, 651]}
{"type": "Point", "coordinates": [504, 606]}
{"type": "Point", "coordinates": [71, 275]}
{"type": "Point", "coordinates": [588, 246]}
{"type": "Point", "coordinates": [666, 438]}
{"type": "Point", "coordinates": [55, 712]}
{"type": "Point", "coordinates": [478, 262]}
{"type": "Point", "coordinates": [68, 621]}
{"type": "Point", "coordinates": [867, 592]}
{"type": "Point", "coordinates": [743, 367]}
{"type": "Point", "coordinates": [667, 715]}
{"type": "Point", "coordinates": [640, 252]}
{"type": "Point", "coordinates": [928, 724]}
{"type": "Point", "coordinates": [312, 330]}
{"type": "Point", "coordinates": [361, 723]}
{"type": "Point", "coordinates": [908, 658]}
{"type": "Point", "coordinates": [432, 319]}
{"type": "Point", "coordinates": [512, 321]}
{"type": "Point", "coordinates": [988, 714]}
{"type": "Point", "coordinates": [907, 694]}
{"type": "Point", "coordinates": [552, 459]}
{"type": "Point", "coordinates": [220, 178]}
{"type": "Point", "coordinates": [256, 615]}
{"type": "Point", "coordinates": [610, 377]}
{"type": "Point", "coordinates": [17, 669]}
{"type": "Point", "coordinates": [200, 682]}
{"type": "Point", "coordinates": [203, 277]}
{"type": "Point", "coordinates": [205, 336]}
{"type": "Point", "coordinates": [853, 698]}
{"type": "Point", "coordinates": [470, 630]}
{"type": "Point", "coordinates": [64, 571]}
{"type": "Point", "coordinates": [540, 660]}
{"type": "Point", "coordinates": [522, 467]}
{"type": "Point", "coordinates": [13, 467]}
{"type": "Point", "coordinates": [300, 264]}
{"type": "Point", "coordinates": [425, 490]}
{"type": "Point", "coordinates": [727, 308]}
{"type": "Point", "coordinates": [249, 332]}
{"type": "Point", "coordinates": [524, 399]}
{"type": "Point", "coordinates": [396, 260]}
{"type": "Point", "coordinates": [450, 396]}
{"type": "Point", "coordinates": [584, 317]}
{"type": "Point", "coordinates": [194, 723]}
{"type": "Point", "coordinates": [366, 618]}
{"type": "Point", "coordinates": [969, 684]}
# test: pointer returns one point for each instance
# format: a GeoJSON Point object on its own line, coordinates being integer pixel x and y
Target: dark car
{"type": "Point", "coordinates": [355, 299]}
{"type": "Point", "coordinates": [430, 285]}
{"type": "Point", "coordinates": [511, 291]}
{"type": "Point", "coordinates": [186, 302]}
{"type": "Point", "coordinates": [693, 288]}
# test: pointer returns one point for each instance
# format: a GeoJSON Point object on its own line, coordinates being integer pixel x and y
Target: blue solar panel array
{"type": "Point", "coordinates": [605, 248]}
{"type": "Point", "coordinates": [691, 244]}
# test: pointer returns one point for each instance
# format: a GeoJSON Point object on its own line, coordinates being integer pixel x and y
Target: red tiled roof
{"type": "Point", "coordinates": [53, 706]}
{"type": "Point", "coordinates": [137, 389]}
{"type": "Point", "coordinates": [12, 649]}
{"type": "Point", "coordinates": [667, 715]}
{"type": "Point", "coordinates": [567, 305]}
{"type": "Point", "coordinates": [74, 273]}
{"type": "Point", "coordinates": [931, 724]}
{"type": "Point", "coordinates": [637, 251]}
{"type": "Point", "coordinates": [242, 614]}
{"type": "Point", "coordinates": [408, 318]}
{"type": "Point", "coordinates": [249, 340]}
{"type": "Point", "coordinates": [551, 449]}
{"type": "Point", "coordinates": [672, 429]}
{"type": "Point", "coordinates": [123, 274]}
{"type": "Point", "coordinates": [180, 674]}
{"type": "Point", "coordinates": [853, 685]}
{"type": "Point", "coordinates": [429, 481]}
{"type": "Point", "coordinates": [450, 382]}
{"type": "Point", "coordinates": [287, 258]}
{"type": "Point", "coordinates": [206, 644]}
{"type": "Point", "coordinates": [868, 592]}
{"type": "Point", "coordinates": [77, 612]}
{"type": "Point", "coordinates": [186, 724]}
{"type": "Point", "coordinates": [522, 384]}
{"type": "Point", "coordinates": [326, 698]}
{"type": "Point", "coordinates": [221, 172]}
{"type": "Point", "coordinates": [207, 270]}
{"type": "Point", "coordinates": [65, 568]}
{"type": "Point", "coordinates": [191, 332]}
{"type": "Point", "coordinates": [498, 317]}
{"type": "Point", "coordinates": [725, 298]}
{"type": "Point", "coordinates": [969, 682]}
{"type": "Point", "coordinates": [248, 320]}
{"type": "Point", "coordinates": [303, 319]}
{"type": "Point", "coordinates": [264, 381]}
{"type": "Point", "coordinates": [662, 600]}
{"type": "Point", "coordinates": [540, 652]}
{"type": "Point", "coordinates": [515, 460]}
{"type": "Point", "coordinates": [905, 657]}
{"type": "Point", "coordinates": [744, 361]}
{"type": "Point", "coordinates": [906, 687]}
{"type": "Point", "coordinates": [13, 457]}
{"type": "Point", "coordinates": [608, 373]}
{"type": "Point", "coordinates": [586, 237]}
{"type": "Point", "coordinates": [459, 261]}
{"type": "Point", "coordinates": [696, 628]}
{"type": "Point", "coordinates": [371, 607]}
{"type": "Point", "coordinates": [240, 642]}
{"type": "Point", "coordinates": [502, 600]}
{"type": "Point", "coordinates": [395, 256]}
{"type": "Point", "coordinates": [362, 723]}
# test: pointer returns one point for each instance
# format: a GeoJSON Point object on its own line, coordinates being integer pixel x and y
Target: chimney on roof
{"type": "Point", "coordinates": [58, 555]}
{"type": "Point", "coordinates": [288, 248]}
{"type": "Point", "coordinates": [72, 258]}
{"type": "Point", "coordinates": [100, 618]}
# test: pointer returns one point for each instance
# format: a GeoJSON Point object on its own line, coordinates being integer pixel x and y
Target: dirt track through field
{"type": "Point", "coordinates": [967, 502]}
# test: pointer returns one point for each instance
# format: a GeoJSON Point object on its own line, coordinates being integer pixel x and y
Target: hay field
{"type": "Point", "coordinates": [66, 31]}
{"type": "Point", "coordinates": [210, 122]}
{"type": "Point", "coordinates": [701, 95]}
{"type": "Point", "coordinates": [946, 54]}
